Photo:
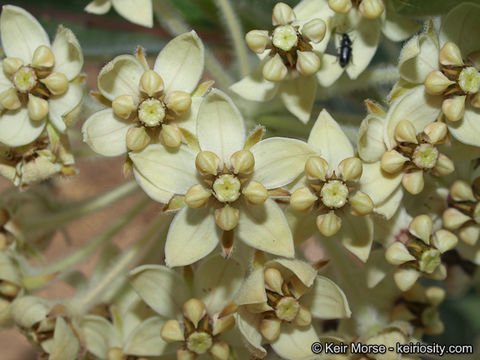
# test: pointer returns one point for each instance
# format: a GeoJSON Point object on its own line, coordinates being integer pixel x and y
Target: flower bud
{"type": "Point", "coordinates": [450, 55]}
{"type": "Point", "coordinates": [197, 196]}
{"type": "Point", "coordinates": [9, 99]}
{"type": "Point", "coordinates": [43, 57]}
{"type": "Point", "coordinates": [273, 280]}
{"type": "Point", "coordinates": [462, 191]}
{"type": "Point", "coordinates": [57, 83]}
{"type": "Point", "coordinates": [123, 106]}
{"type": "Point", "coordinates": [351, 168]}
{"type": "Point", "coordinates": [220, 351]}
{"type": "Point", "coordinates": [194, 310]}
{"type": "Point", "coordinates": [171, 135]}
{"type": "Point", "coordinates": [172, 331]}
{"type": "Point", "coordinates": [255, 193]}
{"type": "Point", "coordinates": [227, 217]}
{"type": "Point", "coordinates": [304, 317]}
{"type": "Point", "coordinates": [469, 234]}
{"type": "Point", "coordinates": [316, 168]}
{"type": "Point", "coordinates": [421, 227]}
{"type": "Point", "coordinates": [371, 9]}
{"type": "Point", "coordinates": [444, 165]}
{"type": "Point", "coordinates": [454, 107]}
{"type": "Point", "coordinates": [9, 289]}
{"type": "Point", "coordinates": [405, 132]}
{"type": "Point", "coordinates": [37, 107]}
{"type": "Point", "coordinates": [243, 162]}
{"type": "Point", "coordinates": [115, 353]}
{"type": "Point", "coordinates": [270, 328]}
{"type": "Point", "coordinates": [222, 324]}
{"type": "Point", "coordinates": [328, 224]}
{"type": "Point", "coordinates": [258, 40]}
{"type": "Point", "coordinates": [10, 65]}
{"type": "Point", "coordinates": [207, 163]}
{"type": "Point", "coordinates": [435, 295]}
{"type": "Point", "coordinates": [308, 63]}
{"type": "Point", "coordinates": [397, 254]}
{"type": "Point", "coordinates": [340, 6]}
{"type": "Point", "coordinates": [413, 182]}
{"type": "Point", "coordinates": [436, 82]}
{"type": "Point", "coordinates": [453, 218]}
{"type": "Point", "coordinates": [444, 240]}
{"type": "Point", "coordinates": [405, 278]}
{"type": "Point", "coordinates": [274, 69]}
{"type": "Point", "coordinates": [151, 83]}
{"type": "Point", "coordinates": [137, 138]}
{"type": "Point", "coordinates": [436, 132]}
{"type": "Point", "coordinates": [179, 102]}
{"type": "Point", "coordinates": [314, 30]}
{"type": "Point", "coordinates": [361, 203]}
{"type": "Point", "coordinates": [440, 272]}
{"type": "Point", "coordinates": [184, 354]}
{"type": "Point", "coordinates": [302, 199]}
{"type": "Point", "coordinates": [392, 161]}
{"type": "Point", "coordinates": [282, 14]}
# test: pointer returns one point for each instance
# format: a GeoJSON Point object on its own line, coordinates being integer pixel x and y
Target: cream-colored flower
{"type": "Point", "coordinates": [328, 190]}
{"type": "Point", "coordinates": [277, 302]}
{"type": "Point", "coordinates": [39, 81]}
{"type": "Point", "coordinates": [225, 181]}
{"type": "Point", "coordinates": [11, 287]}
{"type": "Point", "coordinates": [147, 106]}
{"type": "Point", "coordinates": [136, 11]}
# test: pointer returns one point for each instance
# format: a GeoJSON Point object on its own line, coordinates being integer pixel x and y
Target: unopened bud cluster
{"type": "Point", "coordinates": [370, 9]}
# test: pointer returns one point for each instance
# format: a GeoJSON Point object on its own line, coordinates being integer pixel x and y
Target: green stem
{"type": "Point", "coordinates": [236, 33]}
{"type": "Point", "coordinates": [168, 16]}
{"type": "Point", "coordinates": [80, 254]}
{"type": "Point", "coordinates": [93, 204]}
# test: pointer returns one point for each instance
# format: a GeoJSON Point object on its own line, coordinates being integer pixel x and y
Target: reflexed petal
{"type": "Point", "coordinates": [188, 120]}
{"type": "Point", "coordinates": [253, 289]}
{"type": "Point", "coordinates": [298, 96]}
{"type": "Point", "coordinates": [61, 105]}
{"type": "Point", "coordinates": [157, 194]}
{"type": "Point", "coordinates": [180, 63]}
{"type": "Point", "coordinates": [169, 169]}
{"type": "Point", "coordinates": [265, 228]}
{"type": "Point", "coordinates": [99, 7]}
{"type": "Point", "coordinates": [326, 300]}
{"type": "Point", "coordinates": [29, 310]}
{"type": "Point", "coordinates": [377, 184]}
{"type": "Point", "coordinates": [254, 87]}
{"type": "Point", "coordinates": [68, 54]}
{"type": "Point", "coordinates": [121, 76]}
{"type": "Point", "coordinates": [5, 82]}
{"type": "Point", "coordinates": [418, 58]}
{"type": "Point", "coordinates": [100, 335]}
{"type": "Point", "coordinates": [145, 340]}
{"type": "Point", "coordinates": [295, 342]}
{"type": "Point", "coordinates": [21, 33]}
{"type": "Point", "coordinates": [193, 234]}
{"type": "Point", "coordinates": [220, 127]}
{"type": "Point", "coordinates": [467, 130]}
{"type": "Point", "coordinates": [17, 129]}
{"type": "Point", "coordinates": [356, 234]}
{"type": "Point", "coordinates": [471, 253]}
{"type": "Point", "coordinates": [8, 269]}
{"type": "Point", "coordinates": [302, 224]}
{"type": "Point", "coordinates": [370, 138]}
{"type": "Point", "coordinates": [390, 205]}
{"type": "Point", "coordinates": [138, 11]}
{"type": "Point", "coordinates": [397, 27]}
{"type": "Point", "coordinates": [376, 268]}
{"type": "Point", "coordinates": [329, 140]}
{"type": "Point", "coordinates": [303, 270]}
{"type": "Point", "coordinates": [106, 133]}
{"type": "Point", "coordinates": [217, 280]}
{"type": "Point", "coordinates": [161, 288]}
{"type": "Point", "coordinates": [65, 343]}
{"type": "Point", "coordinates": [248, 324]}
{"type": "Point", "coordinates": [330, 70]}
{"type": "Point", "coordinates": [414, 105]}
{"type": "Point", "coordinates": [278, 161]}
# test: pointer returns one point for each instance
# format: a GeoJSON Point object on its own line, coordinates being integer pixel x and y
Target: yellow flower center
{"type": "Point", "coordinates": [287, 309]}
{"type": "Point", "coordinates": [334, 194]}
{"type": "Point", "coordinates": [430, 260]}
{"type": "Point", "coordinates": [25, 79]}
{"type": "Point", "coordinates": [425, 156]}
{"type": "Point", "coordinates": [199, 342]}
{"type": "Point", "coordinates": [469, 80]}
{"type": "Point", "coordinates": [151, 112]}
{"type": "Point", "coordinates": [227, 188]}
{"type": "Point", "coordinates": [285, 37]}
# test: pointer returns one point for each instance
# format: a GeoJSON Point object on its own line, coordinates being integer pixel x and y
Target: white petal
{"type": "Point", "coordinates": [248, 324]}
{"type": "Point", "coordinates": [253, 289]}
{"type": "Point", "coordinates": [330, 70]}
{"type": "Point", "coordinates": [265, 228]}
{"type": "Point", "coordinates": [193, 234]}
{"type": "Point", "coordinates": [329, 140]}
{"type": "Point", "coordinates": [397, 27]}
{"type": "Point", "coordinates": [254, 87]}
{"type": "Point", "coordinates": [5, 82]}
{"type": "Point", "coordinates": [418, 58]}
{"type": "Point", "coordinates": [100, 335]}
{"type": "Point", "coordinates": [172, 170]}
{"type": "Point", "coordinates": [326, 300]}
{"type": "Point", "coordinates": [378, 184]}
{"type": "Point", "coordinates": [459, 25]}
{"type": "Point", "coordinates": [414, 105]}
{"type": "Point", "coordinates": [303, 270]}
{"type": "Point", "coordinates": [106, 133]}
{"type": "Point", "coordinates": [356, 234]}
{"type": "Point", "coordinates": [65, 343]}
{"type": "Point", "coordinates": [220, 127]}
{"type": "Point", "coordinates": [278, 161]}
{"type": "Point", "coordinates": [145, 340]}
{"type": "Point", "coordinates": [313, 9]}
{"type": "Point", "coordinates": [21, 33]}
{"type": "Point", "coordinates": [467, 130]}
{"type": "Point", "coordinates": [298, 96]}
{"type": "Point", "coordinates": [295, 342]}
{"type": "Point", "coordinates": [188, 120]}
{"type": "Point", "coordinates": [68, 54]}
{"type": "Point", "coordinates": [61, 105]}
{"type": "Point", "coordinates": [98, 7]}
{"type": "Point", "coordinates": [157, 194]}
{"type": "Point", "coordinates": [121, 76]}
{"type": "Point", "coordinates": [302, 224]}
{"type": "Point", "coordinates": [180, 63]}
{"type": "Point", "coordinates": [137, 11]}
{"type": "Point", "coordinates": [16, 128]}
{"type": "Point", "coordinates": [390, 205]}
{"type": "Point", "coordinates": [161, 288]}
{"type": "Point", "coordinates": [370, 138]}
{"type": "Point", "coordinates": [217, 280]}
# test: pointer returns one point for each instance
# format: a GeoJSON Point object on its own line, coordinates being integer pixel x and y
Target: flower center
{"type": "Point", "coordinates": [199, 342]}
{"type": "Point", "coordinates": [469, 80]}
{"type": "Point", "coordinates": [425, 156]}
{"type": "Point", "coordinates": [429, 261]}
{"type": "Point", "coordinates": [285, 37]}
{"type": "Point", "coordinates": [226, 188]}
{"type": "Point", "coordinates": [334, 194]}
{"type": "Point", "coordinates": [287, 309]}
{"type": "Point", "coordinates": [151, 112]}
{"type": "Point", "coordinates": [25, 79]}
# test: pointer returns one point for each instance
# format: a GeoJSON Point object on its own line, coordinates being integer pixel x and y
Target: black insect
{"type": "Point", "coordinates": [345, 51]}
